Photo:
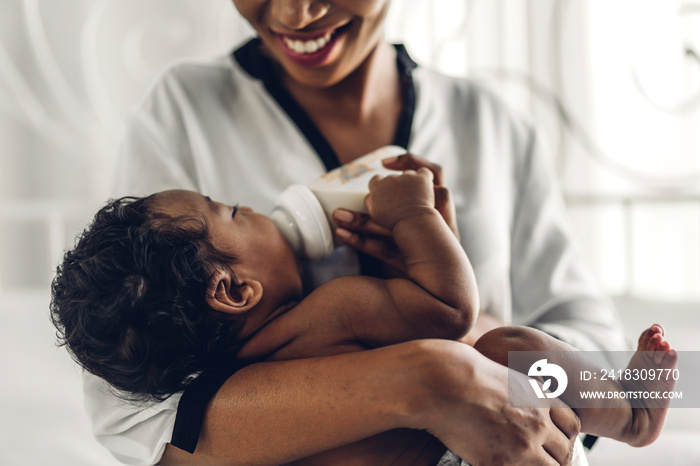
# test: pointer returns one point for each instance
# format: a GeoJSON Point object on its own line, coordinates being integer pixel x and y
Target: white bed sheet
{"type": "Point", "coordinates": [42, 421]}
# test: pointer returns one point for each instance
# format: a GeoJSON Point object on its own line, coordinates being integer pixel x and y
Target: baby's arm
{"type": "Point", "coordinates": [438, 299]}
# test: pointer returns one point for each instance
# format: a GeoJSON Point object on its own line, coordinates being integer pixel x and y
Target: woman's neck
{"type": "Point", "coordinates": [367, 103]}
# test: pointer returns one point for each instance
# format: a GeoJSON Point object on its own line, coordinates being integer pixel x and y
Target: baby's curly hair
{"type": "Point", "coordinates": [129, 301]}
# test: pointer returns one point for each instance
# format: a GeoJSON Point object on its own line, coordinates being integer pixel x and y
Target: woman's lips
{"type": "Point", "coordinates": [312, 49]}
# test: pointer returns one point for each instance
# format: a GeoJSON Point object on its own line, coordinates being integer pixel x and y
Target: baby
{"type": "Point", "coordinates": [163, 288]}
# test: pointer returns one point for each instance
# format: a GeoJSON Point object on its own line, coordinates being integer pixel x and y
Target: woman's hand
{"type": "Point", "coordinates": [358, 231]}
{"type": "Point", "coordinates": [475, 417]}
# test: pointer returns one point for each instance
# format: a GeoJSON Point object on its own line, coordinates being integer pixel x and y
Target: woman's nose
{"type": "Point", "coordinates": [297, 14]}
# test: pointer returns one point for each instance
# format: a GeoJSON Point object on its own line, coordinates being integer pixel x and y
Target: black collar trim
{"type": "Point", "coordinates": [261, 67]}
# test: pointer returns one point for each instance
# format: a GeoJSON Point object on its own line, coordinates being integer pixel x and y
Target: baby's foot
{"type": "Point", "coordinates": [652, 365]}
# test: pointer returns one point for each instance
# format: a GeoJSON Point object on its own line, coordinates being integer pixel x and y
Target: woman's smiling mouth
{"type": "Point", "coordinates": [311, 49]}
{"type": "Point", "coordinates": [308, 46]}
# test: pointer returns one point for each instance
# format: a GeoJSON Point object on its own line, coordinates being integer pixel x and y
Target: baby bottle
{"type": "Point", "coordinates": [303, 212]}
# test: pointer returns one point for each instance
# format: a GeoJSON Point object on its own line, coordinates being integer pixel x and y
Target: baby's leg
{"type": "Point", "coordinates": [603, 420]}
{"type": "Point", "coordinates": [611, 418]}
{"type": "Point", "coordinates": [495, 344]}
{"type": "Point", "coordinates": [654, 353]}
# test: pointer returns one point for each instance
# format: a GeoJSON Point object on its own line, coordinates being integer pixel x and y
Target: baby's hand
{"type": "Point", "coordinates": [396, 197]}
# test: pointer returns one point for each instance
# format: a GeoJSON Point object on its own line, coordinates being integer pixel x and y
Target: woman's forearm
{"type": "Point", "coordinates": [272, 413]}
{"type": "Point", "coordinates": [276, 412]}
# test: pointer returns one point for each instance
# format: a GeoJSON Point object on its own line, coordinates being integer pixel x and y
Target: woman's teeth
{"type": "Point", "coordinates": [308, 46]}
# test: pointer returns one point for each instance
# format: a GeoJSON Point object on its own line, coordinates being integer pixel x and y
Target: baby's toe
{"type": "Point", "coordinates": [670, 358]}
{"type": "Point", "coordinates": [649, 340]}
{"type": "Point", "coordinates": [663, 356]}
{"type": "Point", "coordinates": [643, 341]}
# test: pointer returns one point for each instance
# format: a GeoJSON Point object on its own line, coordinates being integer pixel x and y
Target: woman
{"type": "Point", "coordinates": [319, 88]}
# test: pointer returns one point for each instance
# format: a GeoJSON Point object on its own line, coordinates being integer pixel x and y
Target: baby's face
{"type": "Point", "coordinates": [253, 239]}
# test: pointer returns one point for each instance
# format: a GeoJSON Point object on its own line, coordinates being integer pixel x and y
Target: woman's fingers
{"type": "Point", "coordinates": [380, 247]}
{"type": "Point", "coordinates": [560, 452]}
{"type": "Point", "coordinates": [412, 162]}
{"type": "Point", "coordinates": [566, 420]}
{"type": "Point", "coordinates": [358, 231]}
{"type": "Point", "coordinates": [358, 222]}
{"type": "Point", "coordinates": [570, 426]}
{"type": "Point", "coordinates": [444, 205]}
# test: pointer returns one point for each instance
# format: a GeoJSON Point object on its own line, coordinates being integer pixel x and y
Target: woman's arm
{"type": "Point", "coordinates": [272, 413]}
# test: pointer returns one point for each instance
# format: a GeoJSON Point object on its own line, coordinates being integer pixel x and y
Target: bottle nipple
{"type": "Point", "coordinates": [304, 213]}
{"type": "Point", "coordinates": [302, 221]}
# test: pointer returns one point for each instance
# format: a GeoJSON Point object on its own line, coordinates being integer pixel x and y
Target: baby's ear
{"type": "Point", "coordinates": [225, 295]}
